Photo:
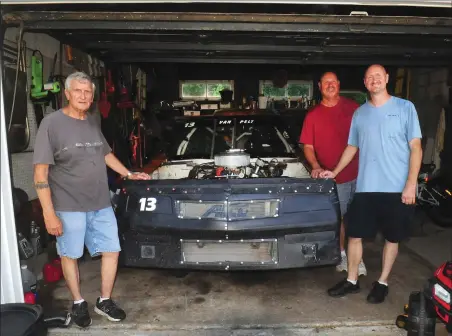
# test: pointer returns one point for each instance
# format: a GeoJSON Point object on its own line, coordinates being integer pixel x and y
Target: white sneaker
{"type": "Point", "coordinates": [343, 265]}
{"type": "Point", "coordinates": [362, 268]}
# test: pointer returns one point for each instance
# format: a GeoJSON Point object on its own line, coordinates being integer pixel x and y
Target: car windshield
{"type": "Point", "coordinates": [203, 137]}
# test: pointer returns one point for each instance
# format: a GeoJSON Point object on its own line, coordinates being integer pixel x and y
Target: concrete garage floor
{"type": "Point", "coordinates": [292, 302]}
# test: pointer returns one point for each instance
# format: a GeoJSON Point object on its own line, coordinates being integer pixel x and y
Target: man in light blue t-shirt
{"type": "Point", "coordinates": [387, 133]}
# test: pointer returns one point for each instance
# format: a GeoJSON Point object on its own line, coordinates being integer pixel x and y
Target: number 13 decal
{"type": "Point", "coordinates": [148, 204]}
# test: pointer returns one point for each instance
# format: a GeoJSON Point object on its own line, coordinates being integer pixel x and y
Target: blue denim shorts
{"type": "Point", "coordinates": [97, 229]}
{"type": "Point", "coordinates": [345, 192]}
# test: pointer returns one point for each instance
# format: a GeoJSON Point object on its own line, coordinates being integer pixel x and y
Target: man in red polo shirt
{"type": "Point", "coordinates": [324, 137]}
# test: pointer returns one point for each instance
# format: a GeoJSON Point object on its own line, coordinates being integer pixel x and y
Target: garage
{"type": "Point", "coordinates": [155, 63]}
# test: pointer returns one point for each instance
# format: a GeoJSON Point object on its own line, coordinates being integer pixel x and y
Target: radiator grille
{"type": "Point", "coordinates": [228, 210]}
{"type": "Point", "coordinates": [252, 209]}
{"type": "Point", "coordinates": [193, 209]}
{"type": "Point", "coordinates": [218, 252]}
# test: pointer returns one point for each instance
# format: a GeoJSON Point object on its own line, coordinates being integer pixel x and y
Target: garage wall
{"type": "Point", "coordinates": [429, 91]}
{"type": "Point", "coordinates": [21, 163]}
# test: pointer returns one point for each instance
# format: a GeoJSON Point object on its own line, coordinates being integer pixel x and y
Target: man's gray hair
{"type": "Point", "coordinates": [78, 76]}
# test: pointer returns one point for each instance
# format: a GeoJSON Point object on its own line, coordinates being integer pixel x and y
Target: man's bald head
{"type": "Point", "coordinates": [328, 74]}
{"type": "Point", "coordinates": [376, 67]}
{"type": "Point", "coordinates": [375, 79]}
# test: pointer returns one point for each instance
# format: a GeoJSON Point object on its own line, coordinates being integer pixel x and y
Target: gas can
{"type": "Point", "coordinates": [29, 298]}
{"type": "Point", "coordinates": [51, 273]}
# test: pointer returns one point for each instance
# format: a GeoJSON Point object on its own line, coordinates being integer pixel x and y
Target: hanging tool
{"type": "Point", "coordinates": [40, 93]}
{"type": "Point", "coordinates": [129, 109]}
{"type": "Point", "coordinates": [52, 84]}
{"type": "Point", "coordinates": [20, 54]}
{"type": "Point", "coordinates": [37, 87]}
{"type": "Point", "coordinates": [110, 85]}
{"type": "Point", "coordinates": [143, 90]}
{"type": "Point", "coordinates": [103, 104]}
{"type": "Point", "coordinates": [43, 94]}
{"type": "Point", "coordinates": [15, 93]}
{"type": "Point", "coordinates": [137, 140]}
{"type": "Point", "coordinates": [69, 57]}
{"type": "Point", "coordinates": [125, 101]}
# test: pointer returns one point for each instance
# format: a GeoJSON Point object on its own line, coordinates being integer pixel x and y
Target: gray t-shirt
{"type": "Point", "coordinates": [75, 151]}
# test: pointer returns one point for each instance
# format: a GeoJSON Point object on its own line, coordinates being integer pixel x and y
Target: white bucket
{"type": "Point", "coordinates": [263, 102]}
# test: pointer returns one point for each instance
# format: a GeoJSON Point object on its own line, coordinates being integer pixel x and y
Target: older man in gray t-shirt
{"type": "Point", "coordinates": [71, 158]}
{"type": "Point", "coordinates": [75, 149]}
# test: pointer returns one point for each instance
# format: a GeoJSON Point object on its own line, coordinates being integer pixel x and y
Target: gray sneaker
{"type": "Point", "coordinates": [343, 265]}
{"type": "Point", "coordinates": [362, 269]}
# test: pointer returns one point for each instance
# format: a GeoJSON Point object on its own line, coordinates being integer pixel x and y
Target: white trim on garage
{"type": "Point", "coordinates": [11, 280]}
{"type": "Point", "coordinates": [419, 3]}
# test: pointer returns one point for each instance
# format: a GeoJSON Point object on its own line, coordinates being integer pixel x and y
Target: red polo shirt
{"type": "Point", "coordinates": [327, 128]}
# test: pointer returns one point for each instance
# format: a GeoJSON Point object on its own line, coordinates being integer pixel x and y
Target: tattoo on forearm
{"type": "Point", "coordinates": [41, 185]}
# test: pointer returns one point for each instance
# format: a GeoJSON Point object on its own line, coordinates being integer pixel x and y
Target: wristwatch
{"type": "Point", "coordinates": [129, 174]}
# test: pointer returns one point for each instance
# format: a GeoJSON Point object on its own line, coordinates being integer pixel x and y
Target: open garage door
{"type": "Point", "coordinates": [248, 33]}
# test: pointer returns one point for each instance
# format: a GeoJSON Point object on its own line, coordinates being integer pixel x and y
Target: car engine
{"type": "Point", "coordinates": [236, 163]}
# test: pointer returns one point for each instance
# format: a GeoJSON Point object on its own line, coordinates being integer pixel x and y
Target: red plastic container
{"type": "Point", "coordinates": [57, 263]}
{"type": "Point", "coordinates": [29, 298]}
{"type": "Point", "coordinates": [52, 272]}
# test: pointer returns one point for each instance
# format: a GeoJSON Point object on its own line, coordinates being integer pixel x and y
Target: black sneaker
{"type": "Point", "coordinates": [343, 288]}
{"type": "Point", "coordinates": [109, 309]}
{"type": "Point", "coordinates": [378, 293]}
{"type": "Point", "coordinates": [80, 315]}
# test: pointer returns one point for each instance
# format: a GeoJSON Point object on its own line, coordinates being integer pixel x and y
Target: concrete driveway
{"type": "Point", "coordinates": [292, 302]}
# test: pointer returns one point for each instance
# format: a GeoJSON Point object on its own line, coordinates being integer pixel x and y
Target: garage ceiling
{"type": "Point", "coordinates": [272, 35]}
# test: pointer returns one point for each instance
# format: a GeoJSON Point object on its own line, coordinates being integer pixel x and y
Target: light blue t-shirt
{"type": "Point", "coordinates": [382, 135]}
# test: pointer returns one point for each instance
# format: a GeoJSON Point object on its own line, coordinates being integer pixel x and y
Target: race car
{"type": "Point", "coordinates": [234, 193]}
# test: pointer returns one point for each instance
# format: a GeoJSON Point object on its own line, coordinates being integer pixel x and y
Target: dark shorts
{"type": "Point", "coordinates": [385, 212]}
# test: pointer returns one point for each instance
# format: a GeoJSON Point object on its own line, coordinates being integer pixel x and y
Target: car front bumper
{"type": "Point", "coordinates": [225, 225]}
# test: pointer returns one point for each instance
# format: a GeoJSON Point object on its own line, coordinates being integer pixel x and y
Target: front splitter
{"type": "Point", "coordinates": [282, 252]}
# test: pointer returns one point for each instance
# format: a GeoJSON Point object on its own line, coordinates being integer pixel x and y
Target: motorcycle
{"type": "Point", "coordinates": [434, 195]}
